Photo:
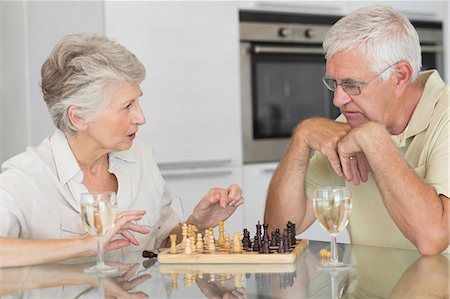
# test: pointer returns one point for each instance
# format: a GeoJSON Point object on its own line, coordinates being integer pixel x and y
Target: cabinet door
{"type": "Point", "coordinates": [190, 184]}
{"type": "Point", "coordinates": [256, 182]}
{"type": "Point", "coordinates": [191, 91]}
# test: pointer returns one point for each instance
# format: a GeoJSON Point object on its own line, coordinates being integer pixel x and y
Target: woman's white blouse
{"type": "Point", "coordinates": [40, 192]}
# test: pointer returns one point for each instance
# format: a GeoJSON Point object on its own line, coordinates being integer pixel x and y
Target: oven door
{"type": "Point", "coordinates": [281, 86]}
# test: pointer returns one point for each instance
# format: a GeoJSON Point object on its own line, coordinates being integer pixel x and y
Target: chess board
{"type": "Point", "coordinates": [222, 256]}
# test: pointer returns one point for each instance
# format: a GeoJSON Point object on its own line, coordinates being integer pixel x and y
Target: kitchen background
{"type": "Point", "coordinates": [192, 93]}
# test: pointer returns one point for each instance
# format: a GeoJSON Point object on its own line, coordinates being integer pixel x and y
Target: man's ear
{"type": "Point", "coordinates": [75, 119]}
{"type": "Point", "coordinates": [402, 75]}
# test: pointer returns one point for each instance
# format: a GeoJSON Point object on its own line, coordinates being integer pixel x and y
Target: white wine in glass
{"type": "Point", "coordinates": [98, 213]}
{"type": "Point", "coordinates": [332, 206]}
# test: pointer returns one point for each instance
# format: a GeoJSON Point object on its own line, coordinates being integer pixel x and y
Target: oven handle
{"type": "Point", "coordinates": [432, 49]}
{"type": "Point", "coordinates": [286, 50]}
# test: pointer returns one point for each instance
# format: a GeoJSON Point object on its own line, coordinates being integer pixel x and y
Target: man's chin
{"type": "Point", "coordinates": [356, 122]}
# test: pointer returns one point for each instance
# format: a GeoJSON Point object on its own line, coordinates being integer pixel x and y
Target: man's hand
{"type": "Point", "coordinates": [353, 160]}
{"type": "Point", "coordinates": [324, 135]}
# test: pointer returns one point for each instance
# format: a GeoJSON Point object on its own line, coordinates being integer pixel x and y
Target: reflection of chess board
{"type": "Point", "coordinates": [221, 256]}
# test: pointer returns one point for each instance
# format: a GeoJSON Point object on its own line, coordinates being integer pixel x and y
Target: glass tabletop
{"type": "Point", "coordinates": [376, 273]}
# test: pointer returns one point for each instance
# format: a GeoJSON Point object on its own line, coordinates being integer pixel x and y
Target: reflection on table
{"type": "Point", "coordinates": [376, 273]}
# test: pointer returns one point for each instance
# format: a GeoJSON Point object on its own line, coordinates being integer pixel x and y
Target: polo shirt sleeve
{"type": "Point", "coordinates": [437, 166]}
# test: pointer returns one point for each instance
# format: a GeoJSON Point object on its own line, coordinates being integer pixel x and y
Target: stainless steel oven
{"type": "Point", "coordinates": [282, 63]}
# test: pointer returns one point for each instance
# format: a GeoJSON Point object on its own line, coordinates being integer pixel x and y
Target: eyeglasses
{"type": "Point", "coordinates": [351, 87]}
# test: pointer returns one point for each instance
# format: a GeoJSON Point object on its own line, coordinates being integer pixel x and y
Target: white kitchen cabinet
{"type": "Point", "coordinates": [419, 10]}
{"type": "Point", "coordinates": [191, 91]}
{"type": "Point", "coordinates": [190, 182]}
{"type": "Point", "coordinates": [299, 6]}
{"type": "Point", "coordinates": [256, 182]}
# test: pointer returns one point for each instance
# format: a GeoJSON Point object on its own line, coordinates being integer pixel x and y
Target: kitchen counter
{"type": "Point", "coordinates": [376, 273]}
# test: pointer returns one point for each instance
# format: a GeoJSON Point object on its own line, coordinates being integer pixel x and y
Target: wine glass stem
{"type": "Point", "coordinates": [334, 254]}
{"type": "Point", "coordinates": [100, 261]}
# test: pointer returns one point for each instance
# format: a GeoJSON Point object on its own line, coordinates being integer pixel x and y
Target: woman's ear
{"type": "Point", "coordinates": [75, 119]}
{"type": "Point", "coordinates": [402, 75]}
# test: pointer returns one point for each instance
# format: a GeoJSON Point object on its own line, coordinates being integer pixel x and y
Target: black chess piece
{"type": "Point", "coordinates": [273, 239]}
{"type": "Point", "coordinates": [285, 240]}
{"type": "Point", "coordinates": [278, 236]}
{"type": "Point", "coordinates": [265, 246]}
{"type": "Point", "coordinates": [246, 242]}
{"type": "Point", "coordinates": [294, 233]}
{"type": "Point", "coordinates": [256, 243]}
{"type": "Point", "coordinates": [281, 246]}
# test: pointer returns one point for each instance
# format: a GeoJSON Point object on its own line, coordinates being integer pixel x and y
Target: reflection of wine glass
{"type": "Point", "coordinates": [332, 206]}
{"type": "Point", "coordinates": [98, 212]}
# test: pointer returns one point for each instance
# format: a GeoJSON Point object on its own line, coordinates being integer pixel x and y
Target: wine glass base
{"type": "Point", "coordinates": [101, 270]}
{"type": "Point", "coordinates": [334, 267]}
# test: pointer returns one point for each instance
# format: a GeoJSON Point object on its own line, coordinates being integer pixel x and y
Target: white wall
{"type": "Point", "coordinates": [29, 31]}
{"type": "Point", "coordinates": [14, 117]}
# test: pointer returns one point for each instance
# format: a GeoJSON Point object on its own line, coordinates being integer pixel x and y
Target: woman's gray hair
{"type": "Point", "coordinates": [77, 72]}
{"type": "Point", "coordinates": [379, 33]}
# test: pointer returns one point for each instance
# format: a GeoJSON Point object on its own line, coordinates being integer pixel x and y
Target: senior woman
{"type": "Point", "coordinates": [91, 85]}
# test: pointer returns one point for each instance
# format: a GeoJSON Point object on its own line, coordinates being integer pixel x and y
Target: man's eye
{"type": "Point", "coordinates": [349, 86]}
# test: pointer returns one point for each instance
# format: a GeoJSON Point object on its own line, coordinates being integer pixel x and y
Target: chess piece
{"type": "Point", "coordinates": [184, 230]}
{"type": "Point", "coordinates": [221, 240]}
{"type": "Point", "coordinates": [237, 245]}
{"type": "Point", "coordinates": [211, 245]}
{"type": "Point", "coordinates": [199, 244]}
{"type": "Point", "coordinates": [187, 248]}
{"type": "Point", "coordinates": [227, 243]}
{"type": "Point", "coordinates": [265, 246]}
{"type": "Point", "coordinates": [273, 240]}
{"type": "Point", "coordinates": [278, 236]}
{"type": "Point", "coordinates": [192, 242]}
{"type": "Point", "coordinates": [173, 244]}
{"type": "Point", "coordinates": [246, 242]}
{"type": "Point", "coordinates": [256, 243]}
{"type": "Point", "coordinates": [281, 246]}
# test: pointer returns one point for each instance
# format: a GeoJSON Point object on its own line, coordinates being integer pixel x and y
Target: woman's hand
{"type": "Point", "coordinates": [217, 204]}
{"type": "Point", "coordinates": [123, 226]}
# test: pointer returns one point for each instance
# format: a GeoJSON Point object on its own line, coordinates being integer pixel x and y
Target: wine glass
{"type": "Point", "coordinates": [332, 206]}
{"type": "Point", "coordinates": [98, 213]}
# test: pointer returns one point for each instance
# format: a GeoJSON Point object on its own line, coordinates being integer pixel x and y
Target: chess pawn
{"type": "Point", "coordinates": [173, 244]}
{"type": "Point", "coordinates": [192, 242]}
{"type": "Point", "coordinates": [237, 245]}
{"type": "Point", "coordinates": [187, 248]}
{"type": "Point", "coordinates": [211, 245]}
{"type": "Point", "coordinates": [227, 243]}
{"type": "Point", "coordinates": [199, 243]}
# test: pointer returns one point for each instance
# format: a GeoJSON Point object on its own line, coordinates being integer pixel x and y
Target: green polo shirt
{"type": "Point", "coordinates": [424, 144]}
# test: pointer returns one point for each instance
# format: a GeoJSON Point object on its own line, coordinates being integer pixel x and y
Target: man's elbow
{"type": "Point", "coordinates": [432, 245]}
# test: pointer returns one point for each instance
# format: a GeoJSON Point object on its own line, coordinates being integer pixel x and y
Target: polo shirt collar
{"type": "Point", "coordinates": [421, 116]}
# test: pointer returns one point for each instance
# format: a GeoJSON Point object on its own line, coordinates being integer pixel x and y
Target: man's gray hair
{"type": "Point", "coordinates": [379, 33]}
{"type": "Point", "coordinates": [77, 72]}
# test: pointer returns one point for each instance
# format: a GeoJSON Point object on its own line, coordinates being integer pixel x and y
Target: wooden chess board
{"type": "Point", "coordinates": [221, 256]}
